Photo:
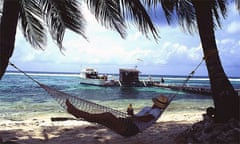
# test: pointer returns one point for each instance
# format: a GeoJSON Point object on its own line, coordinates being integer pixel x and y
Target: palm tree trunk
{"type": "Point", "coordinates": [226, 100]}
{"type": "Point", "coordinates": [8, 27]}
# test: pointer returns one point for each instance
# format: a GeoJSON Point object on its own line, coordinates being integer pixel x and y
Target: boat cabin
{"type": "Point", "coordinates": [129, 77]}
{"type": "Point", "coordinates": [89, 73]}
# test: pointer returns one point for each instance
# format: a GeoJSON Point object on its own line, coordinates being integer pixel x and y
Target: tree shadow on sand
{"type": "Point", "coordinates": [163, 132]}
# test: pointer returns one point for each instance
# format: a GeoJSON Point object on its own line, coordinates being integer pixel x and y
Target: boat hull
{"type": "Point", "coordinates": [97, 82]}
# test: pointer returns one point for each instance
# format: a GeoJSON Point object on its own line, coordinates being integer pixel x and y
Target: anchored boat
{"type": "Point", "coordinates": [90, 76]}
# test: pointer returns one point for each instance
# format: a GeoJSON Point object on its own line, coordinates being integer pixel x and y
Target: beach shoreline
{"type": "Point", "coordinates": [41, 130]}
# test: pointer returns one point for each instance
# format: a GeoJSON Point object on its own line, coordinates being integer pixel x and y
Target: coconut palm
{"type": "Point", "coordinates": [205, 17]}
{"type": "Point", "coordinates": [58, 15]}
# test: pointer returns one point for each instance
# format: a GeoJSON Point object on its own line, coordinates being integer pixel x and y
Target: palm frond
{"type": "Point", "coordinates": [33, 29]}
{"type": "Point", "coordinates": [237, 4]}
{"type": "Point", "coordinates": [108, 12]}
{"type": "Point", "coordinates": [168, 8]}
{"type": "Point", "coordinates": [62, 14]}
{"type": "Point", "coordinates": [134, 10]}
{"type": "Point", "coordinates": [221, 4]}
{"type": "Point", "coordinates": [151, 3]}
{"type": "Point", "coordinates": [180, 10]}
{"type": "Point", "coordinates": [185, 12]}
{"type": "Point", "coordinates": [219, 9]}
{"type": "Point", "coordinates": [1, 7]}
{"type": "Point", "coordinates": [186, 15]}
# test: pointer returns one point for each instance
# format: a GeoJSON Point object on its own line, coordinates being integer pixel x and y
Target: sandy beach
{"type": "Point", "coordinates": [41, 130]}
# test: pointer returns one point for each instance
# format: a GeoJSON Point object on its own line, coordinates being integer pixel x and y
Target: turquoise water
{"type": "Point", "coordinates": [21, 97]}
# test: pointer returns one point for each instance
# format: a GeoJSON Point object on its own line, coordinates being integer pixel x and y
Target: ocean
{"type": "Point", "coordinates": [21, 98]}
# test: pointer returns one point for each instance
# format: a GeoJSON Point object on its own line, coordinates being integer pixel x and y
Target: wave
{"type": "Point", "coordinates": [173, 77]}
{"type": "Point", "coordinates": [235, 79]}
{"type": "Point", "coordinates": [45, 74]}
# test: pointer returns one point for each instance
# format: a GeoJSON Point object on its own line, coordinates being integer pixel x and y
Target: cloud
{"type": "Point", "coordinates": [108, 48]}
{"type": "Point", "coordinates": [175, 52]}
{"type": "Point", "coordinates": [234, 27]}
{"type": "Point", "coordinates": [229, 54]}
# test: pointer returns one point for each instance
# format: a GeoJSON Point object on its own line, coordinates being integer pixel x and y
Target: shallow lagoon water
{"type": "Point", "coordinates": [20, 97]}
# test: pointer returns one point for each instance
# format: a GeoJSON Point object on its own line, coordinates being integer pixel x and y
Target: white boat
{"type": "Point", "coordinates": [90, 76]}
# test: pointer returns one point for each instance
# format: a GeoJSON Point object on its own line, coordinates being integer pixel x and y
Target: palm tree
{"type": "Point", "coordinates": [196, 14]}
{"type": "Point", "coordinates": [61, 14]}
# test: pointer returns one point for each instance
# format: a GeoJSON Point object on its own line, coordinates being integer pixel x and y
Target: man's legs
{"type": "Point", "coordinates": [121, 126]}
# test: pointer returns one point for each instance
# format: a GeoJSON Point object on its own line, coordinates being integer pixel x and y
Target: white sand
{"type": "Point", "coordinates": [41, 130]}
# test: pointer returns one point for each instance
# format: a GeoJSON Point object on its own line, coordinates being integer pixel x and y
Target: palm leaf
{"type": "Point", "coordinates": [135, 10]}
{"type": "Point", "coordinates": [33, 29]}
{"type": "Point", "coordinates": [219, 7]}
{"type": "Point", "coordinates": [108, 12]}
{"type": "Point", "coordinates": [237, 3]}
{"type": "Point", "coordinates": [62, 14]}
{"type": "Point", "coordinates": [186, 15]}
{"type": "Point", "coordinates": [1, 5]}
{"type": "Point", "coordinates": [184, 11]}
{"type": "Point", "coordinates": [168, 8]}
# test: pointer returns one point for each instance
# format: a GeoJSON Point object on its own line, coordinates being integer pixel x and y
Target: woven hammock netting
{"type": "Point", "coordinates": [81, 104]}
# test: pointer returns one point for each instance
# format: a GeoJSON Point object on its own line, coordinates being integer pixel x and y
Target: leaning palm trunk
{"type": "Point", "coordinates": [226, 100]}
{"type": "Point", "coordinates": [8, 27]}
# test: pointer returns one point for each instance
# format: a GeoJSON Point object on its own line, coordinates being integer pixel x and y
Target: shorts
{"type": "Point", "coordinates": [130, 129]}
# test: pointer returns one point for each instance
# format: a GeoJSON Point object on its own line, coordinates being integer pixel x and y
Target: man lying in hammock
{"type": "Point", "coordinates": [124, 126]}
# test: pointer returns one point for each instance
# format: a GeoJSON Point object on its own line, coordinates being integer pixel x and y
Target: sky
{"type": "Point", "coordinates": [176, 52]}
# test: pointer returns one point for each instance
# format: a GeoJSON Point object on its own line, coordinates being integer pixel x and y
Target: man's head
{"type": "Point", "coordinates": [160, 101]}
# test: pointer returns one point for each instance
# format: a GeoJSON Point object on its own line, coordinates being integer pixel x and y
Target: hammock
{"type": "Point", "coordinates": [88, 106]}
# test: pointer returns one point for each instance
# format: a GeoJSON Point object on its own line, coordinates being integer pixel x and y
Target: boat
{"type": "Point", "coordinates": [90, 76]}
